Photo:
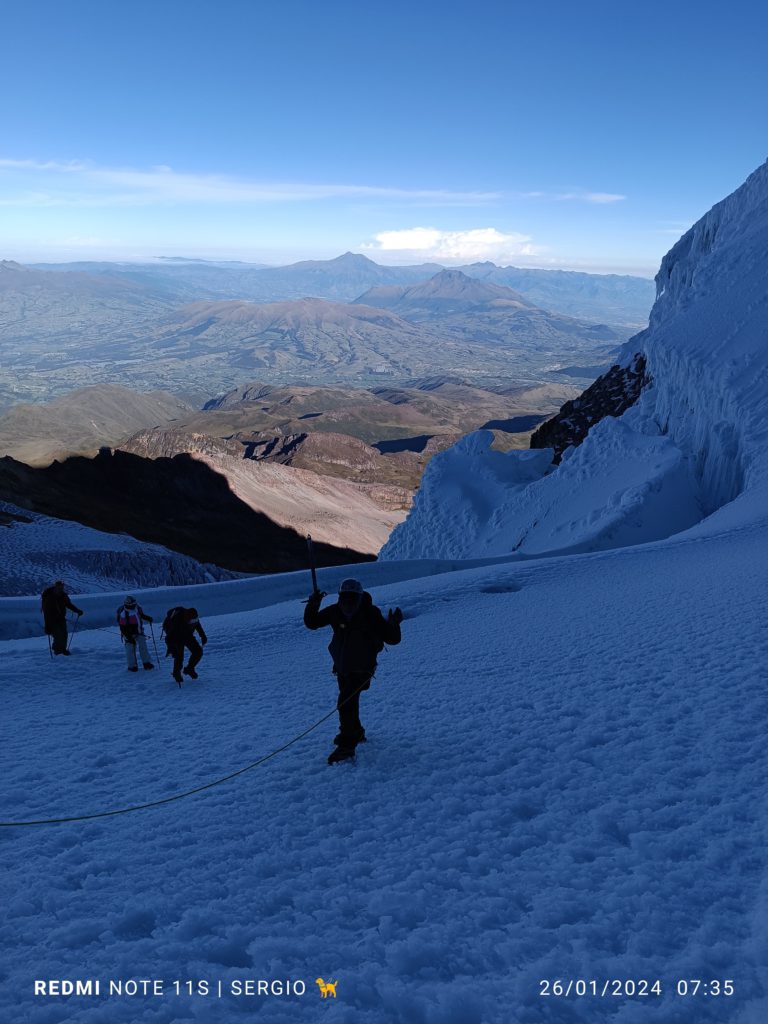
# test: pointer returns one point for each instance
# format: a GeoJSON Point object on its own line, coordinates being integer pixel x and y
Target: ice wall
{"type": "Point", "coordinates": [707, 344]}
{"type": "Point", "coordinates": [696, 442]}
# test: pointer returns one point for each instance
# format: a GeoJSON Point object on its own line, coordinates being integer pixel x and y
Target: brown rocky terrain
{"type": "Point", "coordinates": [305, 456]}
{"type": "Point", "coordinates": [339, 490]}
{"type": "Point", "coordinates": [427, 406]}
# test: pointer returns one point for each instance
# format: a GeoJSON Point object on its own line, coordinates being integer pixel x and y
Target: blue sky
{"type": "Point", "coordinates": [587, 136]}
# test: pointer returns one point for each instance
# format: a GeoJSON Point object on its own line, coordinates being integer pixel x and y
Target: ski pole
{"type": "Point", "coordinates": [311, 550]}
{"type": "Point", "coordinates": [154, 643]}
{"type": "Point", "coordinates": [74, 630]}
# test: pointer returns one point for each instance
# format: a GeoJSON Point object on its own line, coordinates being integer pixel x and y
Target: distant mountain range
{"type": "Point", "coordinates": [609, 298]}
{"type": "Point", "coordinates": [486, 336]}
{"type": "Point", "coordinates": [447, 293]}
{"type": "Point", "coordinates": [137, 325]}
{"type": "Point", "coordinates": [464, 308]}
{"type": "Point", "coordinates": [617, 299]}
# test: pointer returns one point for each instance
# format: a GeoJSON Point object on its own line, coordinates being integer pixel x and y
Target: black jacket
{"type": "Point", "coordinates": [179, 630]}
{"type": "Point", "coordinates": [54, 604]}
{"type": "Point", "coordinates": [356, 640]}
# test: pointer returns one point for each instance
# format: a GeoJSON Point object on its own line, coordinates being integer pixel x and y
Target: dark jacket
{"type": "Point", "coordinates": [54, 604]}
{"type": "Point", "coordinates": [180, 629]}
{"type": "Point", "coordinates": [356, 640]}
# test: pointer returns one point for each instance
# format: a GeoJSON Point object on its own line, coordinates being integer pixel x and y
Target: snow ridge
{"type": "Point", "coordinates": [695, 442]}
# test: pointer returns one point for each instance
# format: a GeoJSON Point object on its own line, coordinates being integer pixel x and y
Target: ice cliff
{"type": "Point", "coordinates": [691, 452]}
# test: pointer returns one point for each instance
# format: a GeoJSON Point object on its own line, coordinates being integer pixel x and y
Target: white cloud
{"type": "Point", "coordinates": [576, 196]}
{"type": "Point", "coordinates": [598, 197]}
{"type": "Point", "coordinates": [75, 183]}
{"type": "Point", "coordinates": [434, 244]}
{"type": "Point", "coordinates": [81, 183]}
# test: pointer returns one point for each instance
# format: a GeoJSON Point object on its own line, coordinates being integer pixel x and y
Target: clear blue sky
{"type": "Point", "coordinates": [586, 135]}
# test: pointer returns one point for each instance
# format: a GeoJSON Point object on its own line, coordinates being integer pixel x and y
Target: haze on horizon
{"type": "Point", "coordinates": [558, 138]}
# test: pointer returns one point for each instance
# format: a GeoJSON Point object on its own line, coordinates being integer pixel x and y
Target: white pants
{"type": "Point", "coordinates": [130, 651]}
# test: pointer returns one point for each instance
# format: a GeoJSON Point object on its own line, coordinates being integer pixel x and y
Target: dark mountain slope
{"type": "Point", "coordinates": [179, 502]}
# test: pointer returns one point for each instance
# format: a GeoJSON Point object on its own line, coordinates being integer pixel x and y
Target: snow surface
{"type": "Point", "coordinates": [34, 554]}
{"type": "Point", "coordinates": [627, 488]}
{"type": "Point", "coordinates": [695, 443]}
{"type": "Point", "coordinates": [565, 779]}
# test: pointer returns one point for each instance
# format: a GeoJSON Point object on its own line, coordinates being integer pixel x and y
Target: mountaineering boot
{"type": "Point", "coordinates": [149, 664]}
{"type": "Point", "coordinates": [177, 677]}
{"type": "Point", "coordinates": [190, 672]}
{"type": "Point", "coordinates": [341, 754]}
{"type": "Point", "coordinates": [133, 669]}
{"type": "Point", "coordinates": [361, 737]}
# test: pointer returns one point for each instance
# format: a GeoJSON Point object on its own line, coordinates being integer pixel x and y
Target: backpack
{"type": "Point", "coordinates": [173, 618]}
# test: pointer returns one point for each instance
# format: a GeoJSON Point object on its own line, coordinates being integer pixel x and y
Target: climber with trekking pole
{"type": "Point", "coordinates": [131, 619]}
{"type": "Point", "coordinates": [54, 605]}
{"type": "Point", "coordinates": [360, 632]}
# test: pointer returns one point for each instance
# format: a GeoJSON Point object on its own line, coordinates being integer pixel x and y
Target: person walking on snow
{"type": "Point", "coordinates": [359, 634]}
{"type": "Point", "coordinates": [130, 619]}
{"type": "Point", "coordinates": [180, 626]}
{"type": "Point", "coordinates": [54, 604]}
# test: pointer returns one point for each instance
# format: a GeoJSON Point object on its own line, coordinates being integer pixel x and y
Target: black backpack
{"type": "Point", "coordinates": [172, 619]}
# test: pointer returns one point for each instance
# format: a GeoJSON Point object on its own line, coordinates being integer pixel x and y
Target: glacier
{"type": "Point", "coordinates": [691, 454]}
{"type": "Point", "coordinates": [36, 549]}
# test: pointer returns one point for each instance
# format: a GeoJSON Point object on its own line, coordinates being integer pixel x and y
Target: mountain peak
{"type": "Point", "coordinates": [353, 259]}
{"type": "Point", "coordinates": [450, 274]}
{"type": "Point", "coordinates": [453, 284]}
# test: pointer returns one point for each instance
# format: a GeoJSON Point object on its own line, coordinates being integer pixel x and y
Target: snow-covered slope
{"type": "Point", "coordinates": [695, 442]}
{"type": "Point", "coordinates": [35, 550]}
{"type": "Point", "coordinates": [564, 780]}
{"type": "Point", "coordinates": [630, 488]}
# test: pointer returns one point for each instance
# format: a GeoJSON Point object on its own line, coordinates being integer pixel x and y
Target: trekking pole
{"type": "Point", "coordinates": [154, 643]}
{"type": "Point", "coordinates": [74, 630]}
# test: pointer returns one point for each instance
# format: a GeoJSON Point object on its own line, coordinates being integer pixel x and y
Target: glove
{"type": "Point", "coordinates": [79, 613]}
{"type": "Point", "coordinates": [316, 597]}
{"type": "Point", "coordinates": [395, 617]}
{"type": "Point", "coordinates": [149, 619]}
{"type": "Point", "coordinates": [204, 640]}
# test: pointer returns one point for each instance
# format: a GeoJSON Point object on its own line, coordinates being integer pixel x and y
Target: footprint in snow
{"type": "Point", "coordinates": [506, 587]}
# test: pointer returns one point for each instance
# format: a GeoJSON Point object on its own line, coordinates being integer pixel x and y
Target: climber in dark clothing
{"type": "Point", "coordinates": [180, 626]}
{"type": "Point", "coordinates": [359, 634]}
{"type": "Point", "coordinates": [54, 605]}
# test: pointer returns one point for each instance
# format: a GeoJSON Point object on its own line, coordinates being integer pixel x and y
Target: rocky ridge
{"type": "Point", "coordinates": [610, 395]}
